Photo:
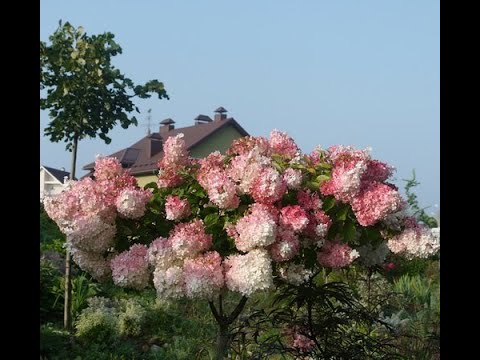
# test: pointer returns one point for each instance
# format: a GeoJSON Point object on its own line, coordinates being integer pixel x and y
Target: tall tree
{"type": "Point", "coordinates": [86, 96]}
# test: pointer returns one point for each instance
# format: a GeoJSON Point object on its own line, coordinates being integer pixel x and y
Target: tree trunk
{"type": "Point", "coordinates": [67, 308]}
{"type": "Point", "coordinates": [222, 341]}
{"type": "Point", "coordinates": [224, 322]}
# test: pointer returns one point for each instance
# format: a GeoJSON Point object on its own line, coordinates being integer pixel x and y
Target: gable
{"type": "Point", "coordinates": [220, 140]}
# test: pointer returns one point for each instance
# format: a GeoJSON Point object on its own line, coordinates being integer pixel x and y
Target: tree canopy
{"type": "Point", "coordinates": [85, 94]}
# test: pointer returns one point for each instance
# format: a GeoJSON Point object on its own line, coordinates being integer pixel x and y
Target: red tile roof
{"type": "Point", "coordinates": [193, 135]}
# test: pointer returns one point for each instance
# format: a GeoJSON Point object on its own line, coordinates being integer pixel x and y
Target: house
{"type": "Point", "coordinates": [52, 181]}
{"type": "Point", "coordinates": [203, 137]}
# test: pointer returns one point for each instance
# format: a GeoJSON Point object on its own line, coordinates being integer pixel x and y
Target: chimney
{"type": "Point", "coordinates": [155, 145]}
{"type": "Point", "coordinates": [166, 125]}
{"type": "Point", "coordinates": [65, 179]}
{"type": "Point", "coordinates": [202, 119]}
{"type": "Point", "coordinates": [220, 114]}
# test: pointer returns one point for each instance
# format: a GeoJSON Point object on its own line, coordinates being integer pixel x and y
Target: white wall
{"type": "Point", "coordinates": [49, 185]}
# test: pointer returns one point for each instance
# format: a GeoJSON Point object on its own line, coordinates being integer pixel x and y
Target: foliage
{"type": "Point", "coordinates": [412, 200]}
{"type": "Point", "coordinates": [49, 231]}
{"type": "Point", "coordinates": [327, 317]}
{"type": "Point", "coordinates": [420, 299]}
{"type": "Point", "coordinates": [97, 323]}
{"type": "Point", "coordinates": [85, 94]}
{"type": "Point", "coordinates": [83, 288]}
{"type": "Point", "coordinates": [48, 280]}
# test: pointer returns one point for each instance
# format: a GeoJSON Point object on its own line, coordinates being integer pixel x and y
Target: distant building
{"type": "Point", "coordinates": [205, 136]}
{"type": "Point", "coordinates": [52, 181]}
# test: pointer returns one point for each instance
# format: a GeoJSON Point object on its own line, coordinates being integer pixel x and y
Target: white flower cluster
{"type": "Point", "coordinates": [91, 233]}
{"type": "Point", "coordinates": [93, 263]}
{"type": "Point", "coordinates": [169, 282]}
{"type": "Point", "coordinates": [249, 273]}
{"type": "Point", "coordinates": [295, 274]}
{"type": "Point", "coordinates": [415, 242]}
{"type": "Point", "coordinates": [371, 256]}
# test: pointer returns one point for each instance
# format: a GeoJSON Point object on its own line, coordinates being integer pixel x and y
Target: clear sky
{"type": "Point", "coordinates": [363, 73]}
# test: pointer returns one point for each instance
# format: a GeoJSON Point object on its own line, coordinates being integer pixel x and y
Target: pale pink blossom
{"type": "Point", "coordinates": [92, 262]}
{"type": "Point", "coordinates": [131, 202]}
{"type": "Point", "coordinates": [203, 275]}
{"type": "Point", "coordinates": [174, 152]}
{"type": "Point", "coordinates": [268, 186]}
{"type": "Point", "coordinates": [309, 200]}
{"type": "Point", "coordinates": [130, 268]}
{"type": "Point", "coordinates": [286, 246]}
{"type": "Point", "coordinates": [256, 229]}
{"type": "Point", "coordinates": [415, 241]}
{"type": "Point", "coordinates": [293, 178]}
{"type": "Point", "coordinates": [169, 283]}
{"type": "Point", "coordinates": [295, 274]}
{"type": "Point", "coordinates": [106, 168]}
{"type": "Point", "coordinates": [283, 145]}
{"type": "Point", "coordinates": [336, 255]}
{"type": "Point", "coordinates": [169, 177]}
{"type": "Point", "coordinates": [375, 202]}
{"type": "Point", "coordinates": [221, 190]}
{"type": "Point", "coordinates": [176, 208]}
{"type": "Point", "coordinates": [189, 239]}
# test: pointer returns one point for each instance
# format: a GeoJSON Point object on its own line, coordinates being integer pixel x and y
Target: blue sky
{"type": "Point", "coordinates": [363, 73]}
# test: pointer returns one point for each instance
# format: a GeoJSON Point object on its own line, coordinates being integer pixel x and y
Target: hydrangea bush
{"type": "Point", "coordinates": [263, 211]}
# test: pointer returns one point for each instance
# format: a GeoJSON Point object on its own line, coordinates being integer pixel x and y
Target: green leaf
{"type": "Point", "coordinates": [322, 178]}
{"type": "Point", "coordinates": [342, 213]}
{"type": "Point", "coordinates": [328, 203]}
{"type": "Point", "coordinates": [151, 185]}
{"type": "Point", "coordinates": [211, 219]}
{"type": "Point", "coordinates": [349, 232]}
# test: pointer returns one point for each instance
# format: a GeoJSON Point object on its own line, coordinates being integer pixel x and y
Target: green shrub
{"type": "Point", "coordinates": [49, 231]}
{"type": "Point", "coordinates": [54, 343]}
{"type": "Point", "coordinates": [50, 311]}
{"type": "Point", "coordinates": [97, 323]}
{"type": "Point", "coordinates": [83, 288]}
{"type": "Point", "coordinates": [132, 318]}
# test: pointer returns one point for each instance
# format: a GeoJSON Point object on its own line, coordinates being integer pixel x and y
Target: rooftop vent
{"type": "Point", "coordinates": [220, 114]}
{"type": "Point", "coordinates": [166, 125]}
{"type": "Point", "coordinates": [202, 119]}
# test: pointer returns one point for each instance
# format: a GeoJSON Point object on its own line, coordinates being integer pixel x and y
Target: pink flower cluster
{"type": "Point", "coordinates": [297, 337]}
{"type": "Point", "coordinates": [336, 255]}
{"type": "Point", "coordinates": [176, 208]}
{"type": "Point", "coordinates": [131, 202]}
{"type": "Point", "coordinates": [189, 239]}
{"type": "Point", "coordinates": [130, 268]}
{"type": "Point", "coordinates": [181, 265]}
{"type": "Point", "coordinates": [212, 176]}
{"type": "Point", "coordinates": [203, 275]}
{"type": "Point", "coordinates": [293, 178]}
{"type": "Point", "coordinates": [283, 145]}
{"type": "Point", "coordinates": [107, 168]}
{"type": "Point", "coordinates": [174, 152]}
{"type": "Point", "coordinates": [87, 209]}
{"type": "Point", "coordinates": [294, 217]}
{"type": "Point", "coordinates": [264, 192]}
{"type": "Point", "coordinates": [258, 228]}
{"type": "Point", "coordinates": [286, 246]}
{"type": "Point", "coordinates": [302, 342]}
{"type": "Point", "coordinates": [175, 158]}
{"type": "Point", "coordinates": [358, 180]}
